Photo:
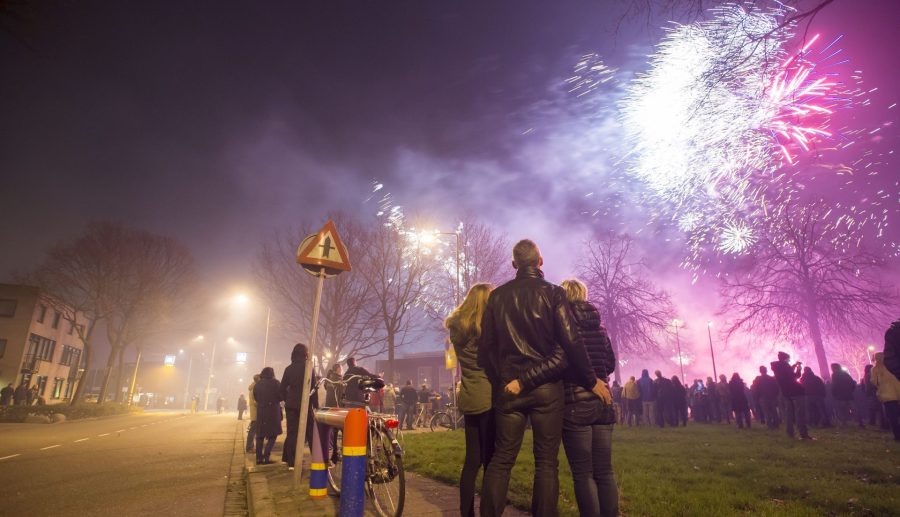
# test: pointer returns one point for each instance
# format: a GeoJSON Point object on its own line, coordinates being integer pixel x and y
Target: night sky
{"type": "Point", "coordinates": [220, 122]}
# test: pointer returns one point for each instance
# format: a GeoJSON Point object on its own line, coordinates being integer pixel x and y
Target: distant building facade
{"type": "Point", "coordinates": [38, 346]}
{"type": "Point", "coordinates": [427, 368]}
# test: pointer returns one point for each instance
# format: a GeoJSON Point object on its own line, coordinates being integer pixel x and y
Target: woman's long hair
{"type": "Point", "coordinates": [468, 315]}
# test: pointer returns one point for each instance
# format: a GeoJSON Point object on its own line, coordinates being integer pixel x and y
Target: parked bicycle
{"type": "Point", "coordinates": [449, 418]}
{"type": "Point", "coordinates": [385, 480]}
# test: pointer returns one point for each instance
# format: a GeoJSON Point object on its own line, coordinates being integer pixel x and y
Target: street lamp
{"type": "Point", "coordinates": [711, 352]}
{"type": "Point", "coordinates": [187, 384]}
{"type": "Point", "coordinates": [676, 323]}
{"type": "Point", "coordinates": [242, 299]}
{"type": "Point", "coordinates": [212, 362]}
{"type": "Point", "coordinates": [869, 352]}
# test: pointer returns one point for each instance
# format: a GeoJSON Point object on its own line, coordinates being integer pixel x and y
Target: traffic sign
{"type": "Point", "coordinates": [324, 249]}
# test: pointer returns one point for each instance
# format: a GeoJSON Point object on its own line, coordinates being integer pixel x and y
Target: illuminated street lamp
{"type": "Point", "coordinates": [243, 299]}
{"type": "Point", "coordinates": [711, 352]}
{"type": "Point", "coordinates": [677, 323]}
{"type": "Point", "coordinates": [869, 352]}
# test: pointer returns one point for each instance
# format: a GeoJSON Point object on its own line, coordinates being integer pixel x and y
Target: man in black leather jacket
{"type": "Point", "coordinates": [528, 339]}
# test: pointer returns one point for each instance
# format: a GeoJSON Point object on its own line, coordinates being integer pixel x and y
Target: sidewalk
{"type": "Point", "coordinates": [271, 494]}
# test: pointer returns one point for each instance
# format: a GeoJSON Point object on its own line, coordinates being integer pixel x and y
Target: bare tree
{"type": "Point", "coordinates": [396, 274]}
{"type": "Point", "coordinates": [347, 326]}
{"type": "Point", "coordinates": [633, 310]}
{"type": "Point", "coordinates": [808, 280]}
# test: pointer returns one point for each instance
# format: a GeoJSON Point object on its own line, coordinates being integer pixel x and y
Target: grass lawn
{"type": "Point", "coordinates": [711, 470]}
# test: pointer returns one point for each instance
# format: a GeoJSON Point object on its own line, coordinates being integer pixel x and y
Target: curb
{"type": "Point", "coordinates": [259, 498]}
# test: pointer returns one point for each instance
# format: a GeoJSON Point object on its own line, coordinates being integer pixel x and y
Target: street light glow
{"type": "Point", "coordinates": [241, 299]}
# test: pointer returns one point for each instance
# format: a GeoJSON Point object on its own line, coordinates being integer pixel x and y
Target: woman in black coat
{"type": "Point", "coordinates": [739, 403]}
{"type": "Point", "coordinates": [267, 393]}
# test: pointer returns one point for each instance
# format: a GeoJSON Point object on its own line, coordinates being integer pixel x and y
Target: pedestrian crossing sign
{"type": "Point", "coordinates": [325, 249]}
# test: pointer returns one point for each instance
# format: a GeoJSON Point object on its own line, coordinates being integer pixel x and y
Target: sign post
{"type": "Point", "coordinates": [322, 254]}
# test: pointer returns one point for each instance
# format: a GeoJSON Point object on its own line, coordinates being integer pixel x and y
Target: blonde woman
{"type": "Point", "coordinates": [464, 324]}
{"type": "Point", "coordinates": [588, 421]}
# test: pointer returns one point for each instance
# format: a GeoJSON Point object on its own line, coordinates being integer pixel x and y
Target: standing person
{"type": "Point", "coordinates": [617, 401]}
{"type": "Point", "coordinates": [892, 349]}
{"type": "Point", "coordinates": [408, 399]}
{"type": "Point", "coordinates": [588, 421]}
{"type": "Point", "coordinates": [527, 338]}
{"type": "Point", "coordinates": [793, 403]}
{"type": "Point", "coordinates": [712, 407]}
{"type": "Point", "coordinates": [195, 403]}
{"type": "Point", "coordinates": [842, 388]}
{"type": "Point", "coordinates": [251, 429]}
{"type": "Point", "coordinates": [679, 401]}
{"type": "Point", "coordinates": [20, 396]}
{"type": "Point", "coordinates": [220, 405]}
{"type": "Point", "coordinates": [353, 396]}
{"type": "Point", "coordinates": [816, 411]}
{"type": "Point", "coordinates": [31, 395]}
{"type": "Point", "coordinates": [738, 401]}
{"type": "Point", "coordinates": [765, 391]}
{"type": "Point", "coordinates": [425, 400]}
{"type": "Point", "coordinates": [292, 382]}
{"type": "Point", "coordinates": [723, 392]}
{"type": "Point", "coordinates": [267, 393]}
{"type": "Point", "coordinates": [474, 401]}
{"type": "Point", "coordinates": [390, 399]}
{"type": "Point", "coordinates": [6, 395]}
{"type": "Point", "coordinates": [873, 406]}
{"type": "Point", "coordinates": [241, 406]}
{"type": "Point", "coordinates": [334, 391]}
{"type": "Point", "coordinates": [888, 389]}
{"type": "Point", "coordinates": [632, 394]}
{"type": "Point", "coordinates": [648, 397]}
{"type": "Point", "coordinates": [664, 409]}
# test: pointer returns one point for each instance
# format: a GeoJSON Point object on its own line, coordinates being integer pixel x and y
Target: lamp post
{"type": "Point", "coordinates": [676, 323]}
{"type": "Point", "coordinates": [869, 351]}
{"type": "Point", "coordinates": [712, 353]}
{"type": "Point", "coordinates": [212, 362]}
{"type": "Point", "coordinates": [187, 384]}
{"type": "Point", "coordinates": [241, 299]}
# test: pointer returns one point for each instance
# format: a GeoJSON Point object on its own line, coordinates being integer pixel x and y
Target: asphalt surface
{"type": "Point", "coordinates": [163, 463]}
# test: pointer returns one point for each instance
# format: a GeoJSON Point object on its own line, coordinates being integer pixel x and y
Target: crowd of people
{"type": "Point", "coordinates": [21, 395]}
{"type": "Point", "coordinates": [534, 353]}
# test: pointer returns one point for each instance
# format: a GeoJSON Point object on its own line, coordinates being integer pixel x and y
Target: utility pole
{"type": "Point", "coordinates": [187, 385]}
{"type": "Point", "coordinates": [676, 323]}
{"type": "Point", "coordinates": [212, 361]}
{"type": "Point", "coordinates": [712, 353]}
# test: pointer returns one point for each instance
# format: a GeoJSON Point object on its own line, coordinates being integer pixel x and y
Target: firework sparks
{"type": "Point", "coordinates": [736, 238]}
{"type": "Point", "coordinates": [589, 74]}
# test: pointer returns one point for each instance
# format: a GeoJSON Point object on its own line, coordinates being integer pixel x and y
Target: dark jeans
{"type": "Point", "coordinates": [589, 451]}
{"type": "Point", "coordinates": [681, 413]}
{"type": "Point", "coordinates": [290, 439]}
{"type": "Point", "coordinates": [842, 411]}
{"type": "Point", "coordinates": [794, 408]}
{"type": "Point", "coordinates": [479, 449]}
{"type": "Point", "coordinates": [770, 414]}
{"type": "Point", "coordinates": [251, 435]}
{"type": "Point", "coordinates": [544, 407]}
{"type": "Point", "coordinates": [407, 414]}
{"type": "Point", "coordinates": [742, 418]}
{"type": "Point", "coordinates": [892, 415]}
{"type": "Point", "coordinates": [817, 412]}
{"type": "Point", "coordinates": [262, 453]}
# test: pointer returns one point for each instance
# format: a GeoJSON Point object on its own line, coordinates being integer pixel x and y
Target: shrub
{"type": "Point", "coordinates": [87, 410]}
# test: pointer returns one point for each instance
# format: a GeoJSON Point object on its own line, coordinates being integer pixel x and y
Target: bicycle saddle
{"type": "Point", "coordinates": [371, 384]}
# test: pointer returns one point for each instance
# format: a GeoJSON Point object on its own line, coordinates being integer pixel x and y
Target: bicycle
{"type": "Point", "coordinates": [449, 418]}
{"type": "Point", "coordinates": [385, 479]}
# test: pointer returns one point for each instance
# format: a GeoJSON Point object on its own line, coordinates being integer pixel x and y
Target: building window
{"type": "Point", "coordinates": [2, 348]}
{"type": "Point", "coordinates": [42, 313]}
{"type": "Point", "coordinates": [56, 317]}
{"type": "Point", "coordinates": [57, 388]}
{"type": "Point", "coordinates": [8, 308]}
{"type": "Point", "coordinates": [40, 347]}
{"type": "Point", "coordinates": [70, 356]}
{"type": "Point", "coordinates": [71, 328]}
{"type": "Point", "coordinates": [70, 387]}
{"type": "Point", "coordinates": [42, 384]}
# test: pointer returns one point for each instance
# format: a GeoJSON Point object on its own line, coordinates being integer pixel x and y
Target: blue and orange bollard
{"type": "Point", "coordinates": [318, 476]}
{"type": "Point", "coordinates": [353, 470]}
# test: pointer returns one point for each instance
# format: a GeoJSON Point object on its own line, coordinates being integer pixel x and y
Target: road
{"type": "Point", "coordinates": [158, 463]}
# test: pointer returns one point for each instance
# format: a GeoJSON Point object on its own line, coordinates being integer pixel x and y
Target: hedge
{"type": "Point", "coordinates": [86, 410]}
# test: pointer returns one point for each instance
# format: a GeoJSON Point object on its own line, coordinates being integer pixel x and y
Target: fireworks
{"type": "Point", "coordinates": [718, 123]}
{"type": "Point", "coordinates": [590, 73]}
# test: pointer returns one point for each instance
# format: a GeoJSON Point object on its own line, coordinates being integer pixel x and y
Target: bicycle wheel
{"type": "Point", "coordinates": [441, 420]}
{"type": "Point", "coordinates": [385, 481]}
{"type": "Point", "coordinates": [334, 461]}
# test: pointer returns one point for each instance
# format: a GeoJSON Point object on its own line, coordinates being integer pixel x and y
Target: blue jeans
{"type": "Point", "coordinates": [589, 451]}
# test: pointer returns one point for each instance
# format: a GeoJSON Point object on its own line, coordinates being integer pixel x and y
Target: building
{"type": "Point", "coordinates": [427, 368]}
{"type": "Point", "coordinates": [38, 346]}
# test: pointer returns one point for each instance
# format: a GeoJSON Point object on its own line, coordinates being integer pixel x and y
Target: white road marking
{"type": "Point", "coordinates": [81, 440]}
{"type": "Point", "coordinates": [51, 447]}
{"type": "Point", "coordinates": [104, 434]}
{"type": "Point", "coordinates": [10, 456]}
{"type": "Point", "coordinates": [143, 425]}
{"type": "Point", "coordinates": [120, 431]}
{"type": "Point", "coordinates": [132, 428]}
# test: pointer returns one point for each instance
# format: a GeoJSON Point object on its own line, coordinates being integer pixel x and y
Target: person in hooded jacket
{"type": "Point", "coordinates": [816, 409]}
{"type": "Point", "coordinates": [665, 409]}
{"type": "Point", "coordinates": [588, 421]}
{"type": "Point", "coordinates": [765, 392]}
{"type": "Point", "coordinates": [892, 349]}
{"type": "Point", "coordinates": [251, 428]}
{"type": "Point", "coordinates": [738, 401]}
{"type": "Point", "coordinates": [793, 403]}
{"type": "Point", "coordinates": [464, 325]}
{"type": "Point", "coordinates": [842, 388]}
{"type": "Point", "coordinates": [291, 392]}
{"type": "Point", "coordinates": [267, 393]}
{"type": "Point", "coordinates": [648, 397]}
{"type": "Point", "coordinates": [679, 401]}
